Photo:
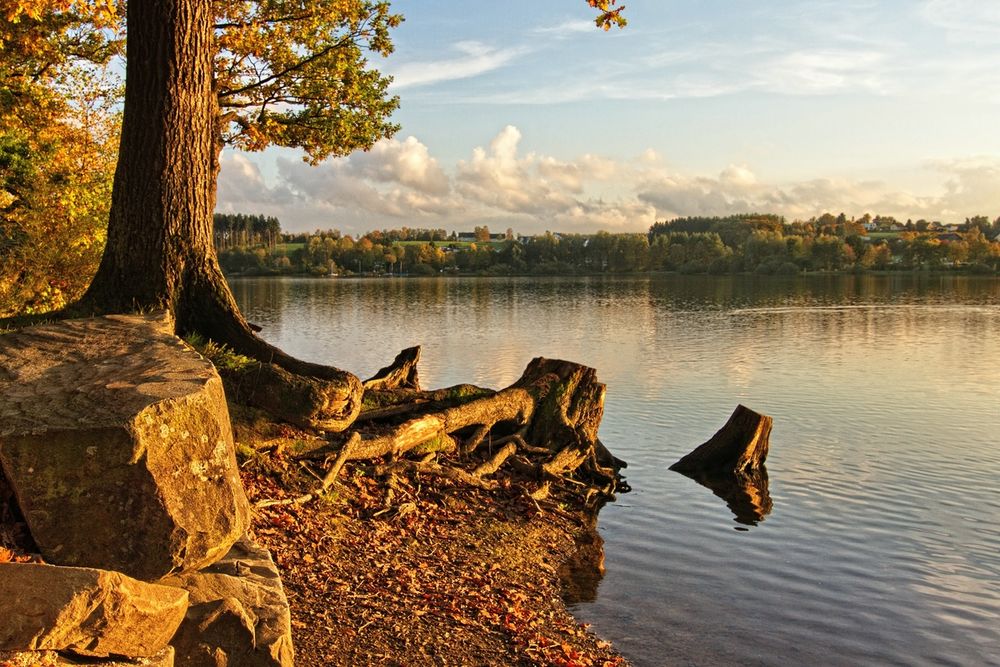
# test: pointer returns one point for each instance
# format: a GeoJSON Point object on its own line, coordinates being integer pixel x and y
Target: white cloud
{"type": "Point", "coordinates": [499, 179]}
{"type": "Point", "coordinates": [551, 193]}
{"type": "Point", "coordinates": [476, 58]}
{"type": "Point", "coordinates": [566, 29]}
{"type": "Point", "coordinates": [712, 70]}
{"type": "Point", "coordinates": [965, 20]}
{"type": "Point", "coordinates": [970, 187]}
{"type": "Point", "coordinates": [241, 185]}
{"type": "Point", "coordinates": [400, 183]}
{"type": "Point", "coordinates": [407, 162]}
{"type": "Point", "coordinates": [818, 71]}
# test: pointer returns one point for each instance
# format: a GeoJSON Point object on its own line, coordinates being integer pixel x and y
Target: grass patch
{"type": "Point", "coordinates": [221, 356]}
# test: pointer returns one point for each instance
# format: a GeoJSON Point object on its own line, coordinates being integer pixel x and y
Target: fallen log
{"type": "Point", "coordinates": [543, 428]}
{"type": "Point", "coordinates": [380, 404]}
{"type": "Point", "coordinates": [741, 445]}
{"type": "Point", "coordinates": [555, 405]}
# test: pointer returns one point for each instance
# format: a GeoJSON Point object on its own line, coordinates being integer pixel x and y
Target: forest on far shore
{"type": "Point", "coordinates": [763, 244]}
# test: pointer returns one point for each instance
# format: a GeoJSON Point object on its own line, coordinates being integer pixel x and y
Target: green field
{"type": "Point", "coordinates": [288, 248]}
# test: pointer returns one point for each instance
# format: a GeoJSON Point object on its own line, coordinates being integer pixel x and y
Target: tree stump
{"type": "Point", "coordinates": [739, 446]}
{"type": "Point", "coordinates": [400, 374]}
{"type": "Point", "coordinates": [544, 426]}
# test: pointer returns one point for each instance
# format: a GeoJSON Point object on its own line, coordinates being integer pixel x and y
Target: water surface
{"type": "Point", "coordinates": [882, 543]}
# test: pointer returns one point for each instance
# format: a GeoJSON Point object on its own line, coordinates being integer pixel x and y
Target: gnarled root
{"type": "Point", "coordinates": [303, 400]}
{"type": "Point", "coordinates": [543, 428]}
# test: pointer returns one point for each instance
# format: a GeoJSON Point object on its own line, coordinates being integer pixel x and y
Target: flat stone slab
{"type": "Point", "coordinates": [164, 658]}
{"type": "Point", "coordinates": [115, 437]}
{"type": "Point", "coordinates": [86, 611]}
{"type": "Point", "coordinates": [238, 597]}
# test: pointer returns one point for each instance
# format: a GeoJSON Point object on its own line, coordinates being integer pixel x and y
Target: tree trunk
{"type": "Point", "coordinates": [159, 252]}
{"type": "Point", "coordinates": [159, 243]}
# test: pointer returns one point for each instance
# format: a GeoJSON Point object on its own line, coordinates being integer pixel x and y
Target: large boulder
{"type": "Point", "coordinates": [115, 437]}
{"type": "Point", "coordinates": [85, 611]}
{"type": "Point", "coordinates": [239, 614]}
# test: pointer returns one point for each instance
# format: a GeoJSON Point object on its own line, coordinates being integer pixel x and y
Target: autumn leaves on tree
{"type": "Point", "coordinates": [199, 75]}
{"type": "Point", "coordinates": [58, 146]}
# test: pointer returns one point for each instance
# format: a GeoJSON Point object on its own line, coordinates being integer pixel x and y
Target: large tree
{"type": "Point", "coordinates": [290, 73]}
{"type": "Point", "coordinates": [251, 73]}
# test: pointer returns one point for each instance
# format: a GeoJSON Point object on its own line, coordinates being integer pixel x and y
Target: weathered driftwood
{"type": "Point", "coordinates": [555, 404]}
{"type": "Point", "coordinates": [543, 427]}
{"type": "Point", "coordinates": [383, 404]}
{"type": "Point", "coordinates": [739, 446]}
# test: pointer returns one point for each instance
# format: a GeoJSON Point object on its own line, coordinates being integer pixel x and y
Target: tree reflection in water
{"type": "Point", "coordinates": [746, 493]}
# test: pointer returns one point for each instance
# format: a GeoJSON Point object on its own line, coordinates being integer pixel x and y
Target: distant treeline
{"type": "Point", "coordinates": [757, 243]}
{"type": "Point", "coordinates": [245, 231]}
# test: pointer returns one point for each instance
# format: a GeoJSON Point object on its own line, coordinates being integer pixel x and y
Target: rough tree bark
{"type": "Point", "coordinates": [544, 426]}
{"type": "Point", "coordinates": [739, 446]}
{"type": "Point", "coordinates": [160, 253]}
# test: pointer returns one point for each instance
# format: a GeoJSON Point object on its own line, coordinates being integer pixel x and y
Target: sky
{"type": "Point", "coordinates": [522, 114]}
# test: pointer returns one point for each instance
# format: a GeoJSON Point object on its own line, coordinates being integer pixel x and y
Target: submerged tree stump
{"type": "Point", "coordinates": [739, 446]}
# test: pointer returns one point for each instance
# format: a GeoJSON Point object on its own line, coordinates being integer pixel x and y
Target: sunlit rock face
{"type": "Point", "coordinates": [115, 437]}
{"type": "Point", "coordinates": [239, 613]}
{"type": "Point", "coordinates": [85, 611]}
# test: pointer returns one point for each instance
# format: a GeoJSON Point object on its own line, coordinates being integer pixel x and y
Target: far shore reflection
{"type": "Point", "coordinates": [745, 493]}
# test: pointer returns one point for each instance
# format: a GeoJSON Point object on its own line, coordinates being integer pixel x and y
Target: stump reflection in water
{"type": "Point", "coordinates": [746, 493]}
{"type": "Point", "coordinates": [582, 572]}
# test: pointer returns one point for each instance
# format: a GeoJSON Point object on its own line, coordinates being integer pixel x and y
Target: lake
{"type": "Point", "coordinates": [882, 540]}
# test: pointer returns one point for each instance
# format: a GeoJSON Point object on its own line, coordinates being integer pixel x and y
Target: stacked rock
{"type": "Point", "coordinates": [115, 439]}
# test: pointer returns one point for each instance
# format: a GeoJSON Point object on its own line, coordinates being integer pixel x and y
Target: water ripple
{"type": "Point", "coordinates": [882, 545]}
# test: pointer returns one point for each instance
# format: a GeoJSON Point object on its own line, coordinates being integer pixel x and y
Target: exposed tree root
{"type": "Point", "coordinates": [542, 429]}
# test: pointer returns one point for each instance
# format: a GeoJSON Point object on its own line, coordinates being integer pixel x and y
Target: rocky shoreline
{"type": "Point", "coordinates": [130, 532]}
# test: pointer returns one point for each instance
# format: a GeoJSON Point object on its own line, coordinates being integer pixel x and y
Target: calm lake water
{"type": "Point", "coordinates": [882, 545]}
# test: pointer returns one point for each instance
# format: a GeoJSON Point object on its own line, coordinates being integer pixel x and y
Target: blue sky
{"type": "Point", "coordinates": [524, 115]}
